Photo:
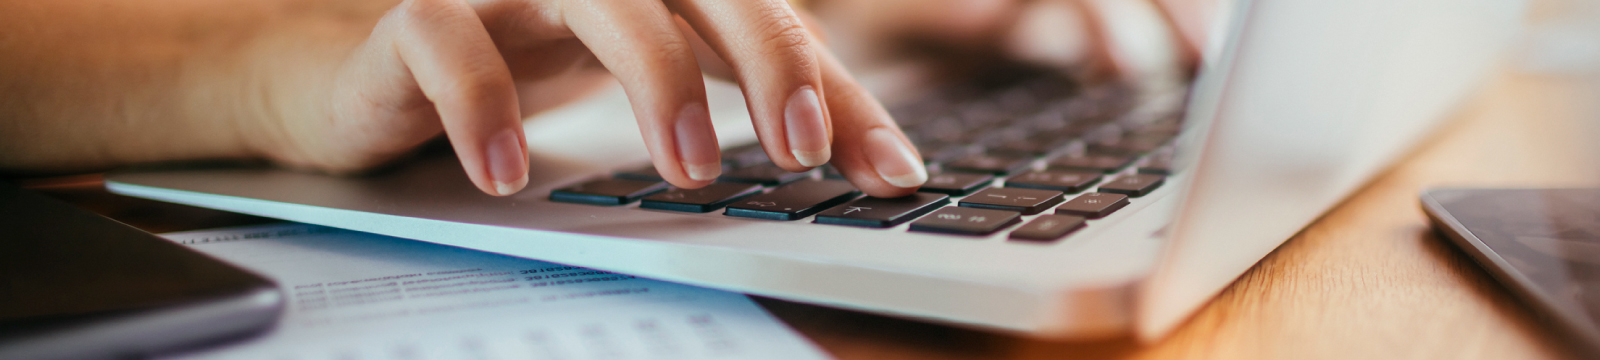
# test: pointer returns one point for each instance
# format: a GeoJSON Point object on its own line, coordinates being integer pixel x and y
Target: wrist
{"type": "Point", "coordinates": [281, 82]}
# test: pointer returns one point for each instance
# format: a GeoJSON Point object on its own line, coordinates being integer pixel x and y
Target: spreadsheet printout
{"type": "Point", "coordinates": [354, 295]}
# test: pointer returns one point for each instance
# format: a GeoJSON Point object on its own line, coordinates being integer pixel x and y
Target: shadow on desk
{"type": "Point", "coordinates": [855, 335]}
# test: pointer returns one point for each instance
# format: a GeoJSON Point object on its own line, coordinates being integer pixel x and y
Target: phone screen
{"type": "Point", "coordinates": [1543, 243]}
{"type": "Point", "coordinates": [62, 267]}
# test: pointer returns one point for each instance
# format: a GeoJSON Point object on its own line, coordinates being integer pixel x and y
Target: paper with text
{"type": "Point", "coordinates": [354, 295]}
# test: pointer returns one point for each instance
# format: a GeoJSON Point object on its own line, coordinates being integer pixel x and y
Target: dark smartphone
{"type": "Point", "coordinates": [75, 285]}
{"type": "Point", "coordinates": [1542, 244]}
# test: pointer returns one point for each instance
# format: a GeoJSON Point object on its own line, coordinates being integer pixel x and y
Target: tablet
{"type": "Point", "coordinates": [1543, 244]}
{"type": "Point", "coordinates": [75, 285]}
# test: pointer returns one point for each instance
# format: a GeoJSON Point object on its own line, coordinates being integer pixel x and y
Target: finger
{"type": "Point", "coordinates": [1053, 33]}
{"type": "Point", "coordinates": [771, 54]}
{"type": "Point", "coordinates": [875, 23]}
{"type": "Point", "coordinates": [1137, 39]}
{"type": "Point", "coordinates": [1193, 19]}
{"type": "Point", "coordinates": [456, 64]}
{"type": "Point", "coordinates": [639, 43]}
{"type": "Point", "coordinates": [711, 64]}
{"type": "Point", "coordinates": [868, 147]}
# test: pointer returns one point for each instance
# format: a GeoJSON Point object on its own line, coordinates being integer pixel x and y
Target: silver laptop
{"type": "Point", "coordinates": [1054, 209]}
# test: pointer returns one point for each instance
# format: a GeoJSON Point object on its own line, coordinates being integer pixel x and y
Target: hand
{"type": "Point", "coordinates": [457, 67]}
{"type": "Point", "coordinates": [1132, 40]}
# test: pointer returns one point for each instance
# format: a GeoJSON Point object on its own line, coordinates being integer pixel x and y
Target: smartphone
{"type": "Point", "coordinates": [76, 285]}
{"type": "Point", "coordinates": [1542, 244]}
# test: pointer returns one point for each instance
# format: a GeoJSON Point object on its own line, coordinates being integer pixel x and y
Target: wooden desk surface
{"type": "Point", "coordinates": [1369, 280]}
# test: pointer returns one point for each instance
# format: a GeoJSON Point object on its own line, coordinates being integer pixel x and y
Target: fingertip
{"type": "Point", "coordinates": [507, 162]}
{"type": "Point", "coordinates": [888, 191]}
{"type": "Point", "coordinates": [812, 159]}
{"type": "Point", "coordinates": [703, 172]}
{"type": "Point", "coordinates": [507, 189]}
{"type": "Point", "coordinates": [689, 183]}
{"type": "Point", "coordinates": [696, 140]}
{"type": "Point", "coordinates": [894, 161]}
{"type": "Point", "coordinates": [911, 180]}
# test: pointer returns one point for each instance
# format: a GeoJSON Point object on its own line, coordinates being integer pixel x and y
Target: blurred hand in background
{"type": "Point", "coordinates": [1094, 40]}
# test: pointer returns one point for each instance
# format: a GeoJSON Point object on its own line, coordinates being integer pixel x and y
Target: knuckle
{"type": "Point", "coordinates": [424, 11]}
{"type": "Point", "coordinates": [476, 82]}
{"type": "Point", "coordinates": [782, 33]}
{"type": "Point", "coordinates": [673, 53]}
{"type": "Point", "coordinates": [417, 15]}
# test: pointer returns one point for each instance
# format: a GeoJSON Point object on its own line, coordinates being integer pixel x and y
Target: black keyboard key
{"type": "Point", "coordinates": [880, 212]}
{"type": "Point", "coordinates": [1125, 148]}
{"type": "Point", "coordinates": [943, 129]}
{"type": "Point", "coordinates": [764, 174]}
{"type": "Point", "coordinates": [794, 201]}
{"type": "Point", "coordinates": [956, 184]}
{"type": "Point", "coordinates": [1026, 201]}
{"type": "Point", "coordinates": [1036, 146]}
{"type": "Point", "coordinates": [966, 221]}
{"type": "Point", "coordinates": [647, 173]}
{"type": "Point", "coordinates": [940, 152]}
{"type": "Point", "coordinates": [1048, 228]}
{"type": "Point", "coordinates": [1093, 205]}
{"type": "Point", "coordinates": [1131, 144]}
{"type": "Point", "coordinates": [744, 156]}
{"type": "Point", "coordinates": [1096, 162]}
{"type": "Point", "coordinates": [1157, 165]}
{"type": "Point", "coordinates": [705, 199]}
{"type": "Point", "coordinates": [607, 191]}
{"type": "Point", "coordinates": [989, 164]}
{"type": "Point", "coordinates": [1070, 182]}
{"type": "Point", "coordinates": [1133, 185]}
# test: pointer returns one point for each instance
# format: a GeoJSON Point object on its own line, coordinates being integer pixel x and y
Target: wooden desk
{"type": "Point", "coordinates": [1369, 280]}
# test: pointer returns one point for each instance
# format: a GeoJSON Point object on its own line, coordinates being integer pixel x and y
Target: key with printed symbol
{"type": "Point", "coordinates": [966, 221]}
{"type": "Point", "coordinates": [989, 164]}
{"type": "Point", "coordinates": [607, 191]}
{"type": "Point", "coordinates": [956, 184]}
{"type": "Point", "coordinates": [1133, 185]}
{"type": "Point", "coordinates": [1071, 182]}
{"type": "Point", "coordinates": [794, 201]}
{"type": "Point", "coordinates": [706, 199]}
{"type": "Point", "coordinates": [1026, 201]}
{"type": "Point", "coordinates": [875, 212]}
{"type": "Point", "coordinates": [1048, 228]}
{"type": "Point", "coordinates": [1093, 205]}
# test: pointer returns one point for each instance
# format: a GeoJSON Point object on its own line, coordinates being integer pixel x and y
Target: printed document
{"type": "Point", "coordinates": [354, 295]}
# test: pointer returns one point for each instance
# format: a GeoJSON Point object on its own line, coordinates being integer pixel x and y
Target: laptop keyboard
{"type": "Point", "coordinates": [994, 154]}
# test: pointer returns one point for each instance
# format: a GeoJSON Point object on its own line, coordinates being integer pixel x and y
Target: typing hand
{"type": "Point", "coordinates": [1131, 40]}
{"type": "Point", "coordinates": [457, 66]}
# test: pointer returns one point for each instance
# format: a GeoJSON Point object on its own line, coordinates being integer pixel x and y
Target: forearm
{"type": "Point", "coordinates": [93, 84]}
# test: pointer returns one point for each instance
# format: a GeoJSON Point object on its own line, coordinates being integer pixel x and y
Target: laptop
{"type": "Point", "coordinates": [1054, 209]}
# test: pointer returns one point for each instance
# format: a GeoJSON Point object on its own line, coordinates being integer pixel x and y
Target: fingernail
{"type": "Point", "coordinates": [808, 135]}
{"type": "Point", "coordinates": [697, 143]}
{"type": "Point", "coordinates": [508, 163]}
{"type": "Point", "coordinates": [896, 163]}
